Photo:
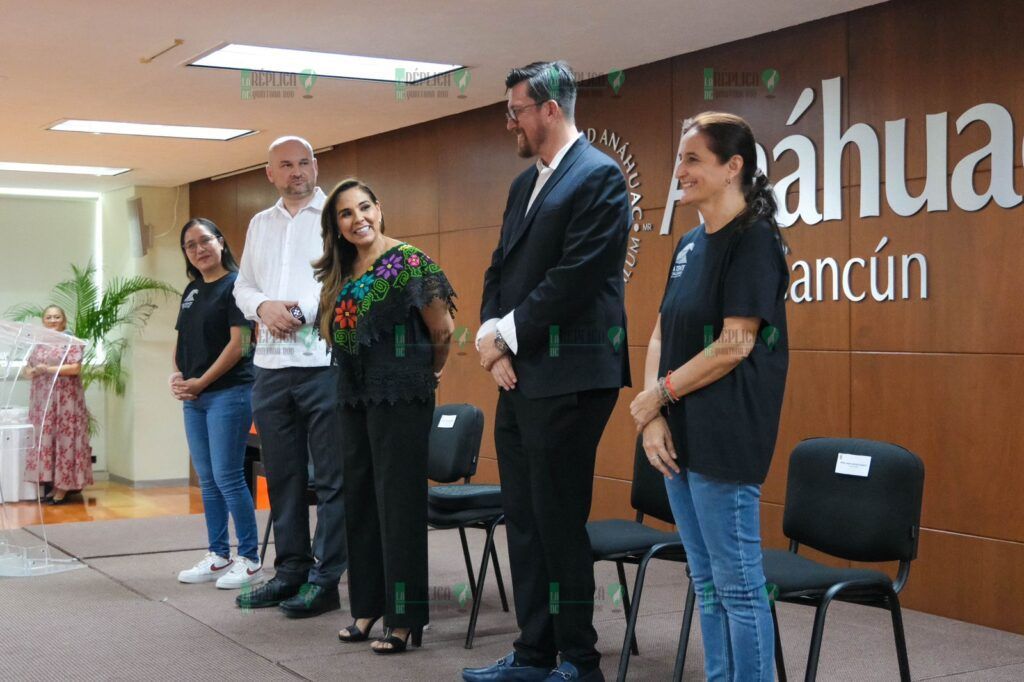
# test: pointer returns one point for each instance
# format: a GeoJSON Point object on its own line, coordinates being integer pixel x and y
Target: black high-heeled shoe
{"type": "Point", "coordinates": [399, 645]}
{"type": "Point", "coordinates": [354, 634]}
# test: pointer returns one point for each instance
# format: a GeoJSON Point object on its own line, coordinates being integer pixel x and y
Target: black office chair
{"type": "Point", "coordinates": [871, 513]}
{"type": "Point", "coordinates": [454, 448]}
{"type": "Point", "coordinates": [632, 542]}
{"type": "Point", "coordinates": [252, 452]}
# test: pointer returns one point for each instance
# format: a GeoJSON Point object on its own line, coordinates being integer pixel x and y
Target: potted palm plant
{"type": "Point", "coordinates": [103, 320]}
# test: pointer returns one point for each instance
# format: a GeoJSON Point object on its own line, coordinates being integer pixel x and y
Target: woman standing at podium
{"type": "Point", "coordinates": [62, 456]}
{"type": "Point", "coordinates": [213, 378]}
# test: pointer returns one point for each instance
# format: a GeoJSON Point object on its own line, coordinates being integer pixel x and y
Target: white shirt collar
{"type": "Point", "coordinates": [317, 202]}
{"type": "Point", "coordinates": [558, 157]}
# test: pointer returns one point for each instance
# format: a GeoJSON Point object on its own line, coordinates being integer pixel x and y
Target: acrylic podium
{"type": "Point", "coordinates": [22, 554]}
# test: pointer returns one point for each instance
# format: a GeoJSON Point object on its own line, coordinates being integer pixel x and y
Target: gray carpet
{"type": "Point", "coordinates": [126, 617]}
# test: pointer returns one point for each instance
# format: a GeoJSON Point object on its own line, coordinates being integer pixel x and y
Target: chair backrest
{"type": "Point", "coordinates": [454, 442]}
{"type": "Point", "coordinates": [873, 517]}
{"type": "Point", "coordinates": [649, 496]}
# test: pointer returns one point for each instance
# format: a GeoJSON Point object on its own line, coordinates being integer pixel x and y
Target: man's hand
{"type": "Point", "coordinates": [276, 316]}
{"type": "Point", "coordinates": [489, 353]}
{"type": "Point", "coordinates": [503, 374]}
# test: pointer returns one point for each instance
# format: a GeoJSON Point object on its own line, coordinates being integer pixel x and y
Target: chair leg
{"type": "Point", "coordinates": [897, 631]}
{"type": "Point", "coordinates": [816, 636]}
{"type": "Point", "coordinates": [266, 538]}
{"type": "Point", "coordinates": [634, 612]}
{"type": "Point", "coordinates": [469, 562]}
{"type": "Point", "coordinates": [780, 664]}
{"type": "Point", "coordinates": [497, 576]}
{"type": "Point", "coordinates": [488, 546]}
{"type": "Point", "coordinates": [625, 603]}
{"type": "Point", "coordinates": [684, 634]}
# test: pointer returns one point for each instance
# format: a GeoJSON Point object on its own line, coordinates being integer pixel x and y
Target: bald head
{"type": "Point", "coordinates": [292, 168]}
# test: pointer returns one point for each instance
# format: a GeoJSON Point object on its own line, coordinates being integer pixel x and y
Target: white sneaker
{"type": "Point", "coordinates": [210, 567]}
{"type": "Point", "coordinates": [244, 572]}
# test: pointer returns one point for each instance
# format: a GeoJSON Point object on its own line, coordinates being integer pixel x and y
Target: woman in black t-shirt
{"type": "Point", "coordinates": [213, 379]}
{"type": "Point", "coordinates": [387, 309]}
{"type": "Point", "coordinates": [715, 375]}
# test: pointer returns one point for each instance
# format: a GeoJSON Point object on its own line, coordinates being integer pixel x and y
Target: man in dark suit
{"type": "Point", "coordinates": [553, 338]}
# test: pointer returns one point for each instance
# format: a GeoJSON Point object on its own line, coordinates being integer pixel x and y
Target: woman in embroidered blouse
{"type": "Point", "coordinates": [387, 309]}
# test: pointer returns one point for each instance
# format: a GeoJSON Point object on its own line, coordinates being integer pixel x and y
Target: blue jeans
{"type": "Point", "coordinates": [216, 425]}
{"type": "Point", "coordinates": [719, 523]}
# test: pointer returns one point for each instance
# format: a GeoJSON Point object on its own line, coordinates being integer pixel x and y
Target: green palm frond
{"type": "Point", "coordinates": [126, 303]}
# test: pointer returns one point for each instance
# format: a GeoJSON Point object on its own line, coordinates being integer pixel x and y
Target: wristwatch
{"type": "Point", "coordinates": [499, 343]}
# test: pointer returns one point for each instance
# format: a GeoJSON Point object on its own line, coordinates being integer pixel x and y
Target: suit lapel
{"type": "Point", "coordinates": [567, 162]}
{"type": "Point", "coordinates": [516, 213]}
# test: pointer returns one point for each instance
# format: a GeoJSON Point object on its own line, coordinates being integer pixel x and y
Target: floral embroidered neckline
{"type": "Point", "coordinates": [393, 270]}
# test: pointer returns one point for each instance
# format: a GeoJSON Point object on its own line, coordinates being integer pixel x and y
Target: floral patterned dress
{"type": "Point", "coordinates": [63, 456]}
{"type": "Point", "coordinates": [381, 345]}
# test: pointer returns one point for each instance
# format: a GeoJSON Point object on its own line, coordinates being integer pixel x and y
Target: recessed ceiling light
{"type": "Point", "coordinates": [151, 130]}
{"type": "Point", "coordinates": [56, 168]}
{"type": "Point", "coordinates": [279, 60]}
{"type": "Point", "coordinates": [61, 193]}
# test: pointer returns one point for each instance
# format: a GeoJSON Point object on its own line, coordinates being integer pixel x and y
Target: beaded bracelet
{"type": "Point", "coordinates": [668, 388]}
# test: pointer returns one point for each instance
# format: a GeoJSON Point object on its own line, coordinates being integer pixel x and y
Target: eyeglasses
{"type": "Point", "coordinates": [513, 112]}
{"type": "Point", "coordinates": [192, 247]}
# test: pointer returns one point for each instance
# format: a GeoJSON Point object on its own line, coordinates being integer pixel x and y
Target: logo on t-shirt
{"type": "Point", "coordinates": [680, 265]}
{"type": "Point", "coordinates": [190, 299]}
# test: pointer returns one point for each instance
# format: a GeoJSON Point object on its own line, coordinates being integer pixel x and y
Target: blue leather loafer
{"type": "Point", "coordinates": [506, 670]}
{"type": "Point", "coordinates": [567, 672]}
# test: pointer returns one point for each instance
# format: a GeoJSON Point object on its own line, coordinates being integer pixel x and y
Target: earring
{"type": "Point", "coordinates": [728, 181]}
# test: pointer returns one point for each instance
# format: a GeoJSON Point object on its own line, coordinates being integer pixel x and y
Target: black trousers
{"type": "Point", "coordinates": [296, 413]}
{"type": "Point", "coordinates": [385, 451]}
{"type": "Point", "coordinates": [546, 452]}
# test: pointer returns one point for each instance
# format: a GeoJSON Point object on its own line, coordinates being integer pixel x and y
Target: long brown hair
{"type": "Point", "coordinates": [334, 268]}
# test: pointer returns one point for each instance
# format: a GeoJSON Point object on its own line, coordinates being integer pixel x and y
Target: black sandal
{"type": "Point", "coordinates": [353, 634]}
{"type": "Point", "coordinates": [399, 645]}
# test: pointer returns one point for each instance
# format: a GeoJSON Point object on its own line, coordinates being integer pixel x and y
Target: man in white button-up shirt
{"type": "Point", "coordinates": [294, 398]}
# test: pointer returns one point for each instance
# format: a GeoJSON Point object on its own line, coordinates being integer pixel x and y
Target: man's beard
{"type": "Point", "coordinates": [302, 190]}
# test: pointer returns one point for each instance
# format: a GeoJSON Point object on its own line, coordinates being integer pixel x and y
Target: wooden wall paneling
{"type": "Point", "coordinates": [816, 403]}
{"type": "Point", "coordinates": [476, 163]}
{"type": "Point", "coordinates": [824, 324]}
{"type": "Point", "coordinates": [959, 414]}
{"type": "Point", "coordinates": [803, 55]}
{"type": "Point", "coordinates": [917, 57]}
{"type": "Point", "coordinates": [465, 256]}
{"type": "Point", "coordinates": [974, 279]}
{"type": "Point", "coordinates": [611, 499]}
{"type": "Point", "coordinates": [487, 471]}
{"type": "Point", "coordinates": [336, 165]}
{"type": "Point", "coordinates": [401, 168]}
{"type": "Point", "coordinates": [640, 114]}
{"type": "Point", "coordinates": [618, 443]}
{"type": "Point", "coordinates": [216, 200]}
{"type": "Point", "coordinates": [465, 381]}
{"type": "Point", "coordinates": [255, 194]}
{"type": "Point", "coordinates": [968, 578]}
{"type": "Point", "coordinates": [650, 259]}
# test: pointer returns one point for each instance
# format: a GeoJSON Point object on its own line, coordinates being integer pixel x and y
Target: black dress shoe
{"type": "Point", "coordinates": [311, 600]}
{"type": "Point", "coordinates": [506, 669]}
{"type": "Point", "coordinates": [269, 594]}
